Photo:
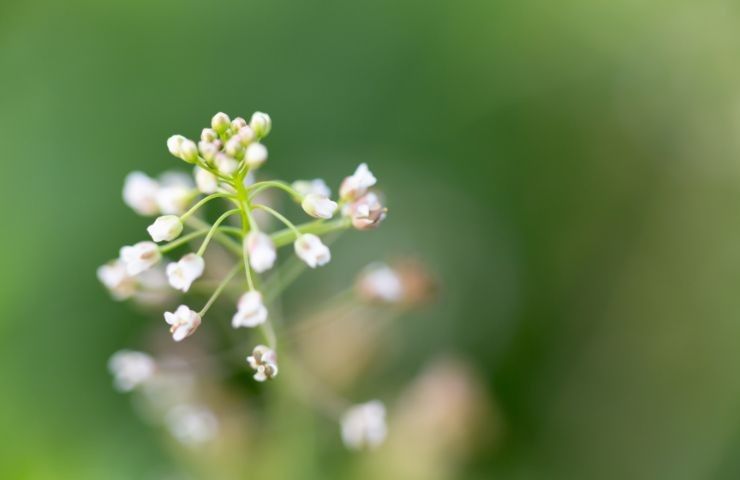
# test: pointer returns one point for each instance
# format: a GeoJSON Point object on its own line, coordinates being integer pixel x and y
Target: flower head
{"type": "Point", "coordinates": [140, 193]}
{"type": "Point", "coordinates": [130, 369]}
{"type": "Point", "coordinates": [264, 361]}
{"type": "Point", "coordinates": [355, 186]}
{"type": "Point", "coordinates": [261, 251]}
{"type": "Point", "coordinates": [319, 206]}
{"type": "Point", "coordinates": [183, 273]}
{"type": "Point", "coordinates": [165, 228]}
{"type": "Point", "coordinates": [140, 257]}
{"type": "Point", "coordinates": [183, 321]}
{"type": "Point", "coordinates": [363, 426]}
{"type": "Point", "coordinates": [311, 250]}
{"type": "Point", "coordinates": [116, 279]}
{"type": "Point", "coordinates": [251, 312]}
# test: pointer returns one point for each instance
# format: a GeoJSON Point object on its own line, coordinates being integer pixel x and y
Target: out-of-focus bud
{"type": "Point", "coordinates": [264, 361]}
{"type": "Point", "coordinates": [245, 135]}
{"type": "Point", "coordinates": [208, 150]}
{"type": "Point", "coordinates": [130, 369]}
{"type": "Point", "coordinates": [255, 155]}
{"type": "Point", "coordinates": [234, 148]}
{"type": "Point", "coordinates": [367, 212]}
{"type": "Point", "coordinates": [225, 164]}
{"type": "Point", "coordinates": [311, 250]}
{"type": "Point", "coordinates": [205, 181]}
{"type": "Point", "coordinates": [140, 193]}
{"type": "Point", "coordinates": [117, 280]}
{"type": "Point", "coordinates": [363, 426]}
{"type": "Point", "coordinates": [379, 283]}
{"type": "Point", "coordinates": [319, 206]}
{"type": "Point", "coordinates": [237, 124]}
{"type": "Point", "coordinates": [189, 151]}
{"type": "Point", "coordinates": [191, 425]}
{"type": "Point", "coordinates": [165, 228]}
{"type": "Point", "coordinates": [251, 311]}
{"type": "Point", "coordinates": [174, 143]}
{"type": "Point", "coordinates": [220, 122]}
{"type": "Point", "coordinates": [261, 124]}
{"type": "Point", "coordinates": [208, 135]}
{"type": "Point", "coordinates": [184, 272]}
{"type": "Point", "coordinates": [261, 251]}
{"type": "Point", "coordinates": [140, 257]}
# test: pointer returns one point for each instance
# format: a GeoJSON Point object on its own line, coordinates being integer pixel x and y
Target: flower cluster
{"type": "Point", "coordinates": [226, 160]}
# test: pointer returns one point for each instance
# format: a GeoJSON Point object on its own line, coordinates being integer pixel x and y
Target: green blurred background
{"type": "Point", "coordinates": [569, 169]}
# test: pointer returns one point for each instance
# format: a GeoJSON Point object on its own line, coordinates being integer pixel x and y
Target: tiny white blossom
{"type": "Point", "coordinates": [311, 250]}
{"type": "Point", "coordinates": [117, 280]}
{"type": "Point", "coordinates": [319, 206]}
{"type": "Point", "coordinates": [261, 251]}
{"type": "Point", "coordinates": [225, 164]}
{"type": "Point", "coordinates": [251, 312]}
{"type": "Point", "coordinates": [183, 322]}
{"type": "Point", "coordinates": [140, 257]}
{"type": "Point", "coordinates": [264, 361]}
{"type": "Point", "coordinates": [192, 425]}
{"type": "Point", "coordinates": [220, 122]}
{"type": "Point", "coordinates": [363, 426]}
{"type": "Point", "coordinates": [380, 282]}
{"type": "Point", "coordinates": [205, 181]}
{"type": "Point", "coordinates": [140, 193]}
{"type": "Point", "coordinates": [354, 186]}
{"type": "Point", "coordinates": [184, 272]}
{"type": "Point", "coordinates": [255, 155]}
{"type": "Point", "coordinates": [165, 228]}
{"type": "Point", "coordinates": [316, 186]}
{"type": "Point", "coordinates": [260, 124]}
{"type": "Point", "coordinates": [130, 369]}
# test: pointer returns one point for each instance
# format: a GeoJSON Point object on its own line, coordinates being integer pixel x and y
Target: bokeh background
{"type": "Point", "coordinates": [570, 170]}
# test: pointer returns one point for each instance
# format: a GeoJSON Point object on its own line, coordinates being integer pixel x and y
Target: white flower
{"type": "Point", "coordinates": [251, 312]}
{"type": "Point", "coordinates": [316, 186]}
{"type": "Point", "coordinates": [140, 257]}
{"type": "Point", "coordinates": [205, 181]}
{"type": "Point", "coordinates": [117, 280]}
{"type": "Point", "coordinates": [363, 426]}
{"type": "Point", "coordinates": [166, 227]}
{"type": "Point", "coordinates": [261, 124]}
{"type": "Point", "coordinates": [130, 369]}
{"type": "Point", "coordinates": [255, 155]}
{"type": "Point", "coordinates": [354, 186]}
{"type": "Point", "coordinates": [319, 206]}
{"type": "Point", "coordinates": [310, 249]}
{"type": "Point", "coordinates": [220, 122]}
{"type": "Point", "coordinates": [264, 360]}
{"type": "Point", "coordinates": [225, 164]}
{"type": "Point", "coordinates": [183, 273]}
{"type": "Point", "coordinates": [192, 425]}
{"type": "Point", "coordinates": [380, 282]}
{"type": "Point", "coordinates": [183, 322]}
{"type": "Point", "coordinates": [367, 212]}
{"type": "Point", "coordinates": [261, 251]}
{"type": "Point", "coordinates": [140, 193]}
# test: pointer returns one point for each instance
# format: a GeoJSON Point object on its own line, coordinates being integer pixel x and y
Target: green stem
{"type": "Point", "coordinates": [318, 227]}
{"type": "Point", "coordinates": [255, 188]}
{"type": "Point", "coordinates": [220, 219]}
{"type": "Point", "coordinates": [202, 202]}
{"type": "Point", "coordinates": [224, 239]}
{"type": "Point", "coordinates": [280, 217]}
{"type": "Point", "coordinates": [182, 240]}
{"type": "Point", "coordinates": [220, 288]}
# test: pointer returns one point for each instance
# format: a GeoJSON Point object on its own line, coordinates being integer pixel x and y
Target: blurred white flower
{"type": "Point", "coordinates": [261, 124]}
{"type": "Point", "coordinates": [355, 186]}
{"type": "Point", "coordinates": [264, 361]}
{"type": "Point", "coordinates": [205, 181]}
{"type": "Point", "coordinates": [317, 186]}
{"type": "Point", "coordinates": [140, 257]}
{"type": "Point", "coordinates": [363, 426]}
{"type": "Point", "coordinates": [165, 228]}
{"type": "Point", "coordinates": [311, 250]}
{"type": "Point", "coordinates": [319, 206]}
{"type": "Point", "coordinates": [115, 278]}
{"type": "Point", "coordinates": [380, 282]}
{"type": "Point", "coordinates": [255, 155]}
{"type": "Point", "coordinates": [174, 199]}
{"type": "Point", "coordinates": [192, 425]}
{"type": "Point", "coordinates": [183, 321]}
{"type": "Point", "coordinates": [130, 369]}
{"type": "Point", "coordinates": [184, 272]}
{"type": "Point", "coordinates": [251, 312]}
{"type": "Point", "coordinates": [140, 193]}
{"type": "Point", "coordinates": [261, 251]}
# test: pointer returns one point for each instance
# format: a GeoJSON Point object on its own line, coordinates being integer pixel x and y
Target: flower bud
{"type": "Point", "coordinates": [225, 164]}
{"type": "Point", "coordinates": [255, 155]}
{"type": "Point", "coordinates": [130, 369]}
{"type": "Point", "coordinates": [165, 228]}
{"type": "Point", "coordinates": [208, 150]}
{"type": "Point", "coordinates": [183, 322]}
{"type": "Point", "coordinates": [319, 206]}
{"type": "Point", "coordinates": [311, 250]}
{"type": "Point", "coordinates": [183, 273]}
{"type": "Point", "coordinates": [251, 311]}
{"type": "Point", "coordinates": [140, 193]}
{"type": "Point", "coordinates": [205, 181]}
{"type": "Point", "coordinates": [316, 186]}
{"type": "Point", "coordinates": [174, 144]}
{"type": "Point", "coordinates": [261, 251]}
{"type": "Point", "coordinates": [208, 135]}
{"type": "Point", "coordinates": [261, 124]}
{"type": "Point", "coordinates": [188, 151]}
{"type": "Point", "coordinates": [220, 122]}
{"type": "Point", "coordinates": [115, 278]}
{"type": "Point", "coordinates": [140, 257]}
{"type": "Point", "coordinates": [363, 426]}
{"type": "Point", "coordinates": [245, 135]}
{"type": "Point", "coordinates": [367, 212]}
{"type": "Point", "coordinates": [237, 124]}
{"type": "Point", "coordinates": [234, 148]}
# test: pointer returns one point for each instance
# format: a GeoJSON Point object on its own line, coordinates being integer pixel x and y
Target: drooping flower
{"type": "Point", "coordinates": [319, 206]}
{"type": "Point", "coordinates": [363, 426]}
{"type": "Point", "coordinates": [255, 155]}
{"type": "Point", "coordinates": [165, 228]}
{"type": "Point", "coordinates": [130, 369]}
{"type": "Point", "coordinates": [356, 185]}
{"type": "Point", "coordinates": [367, 212]}
{"type": "Point", "coordinates": [205, 181]}
{"type": "Point", "coordinates": [379, 282]}
{"type": "Point", "coordinates": [261, 251]}
{"type": "Point", "coordinates": [140, 193]}
{"type": "Point", "coordinates": [264, 361]}
{"type": "Point", "coordinates": [261, 124]}
{"type": "Point", "coordinates": [316, 186]}
{"type": "Point", "coordinates": [184, 272]}
{"type": "Point", "coordinates": [115, 278]}
{"type": "Point", "coordinates": [183, 322]}
{"type": "Point", "coordinates": [140, 256]}
{"type": "Point", "coordinates": [251, 312]}
{"type": "Point", "coordinates": [311, 250]}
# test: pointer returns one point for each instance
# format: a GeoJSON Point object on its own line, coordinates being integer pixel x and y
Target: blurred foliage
{"type": "Point", "coordinates": [567, 168]}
